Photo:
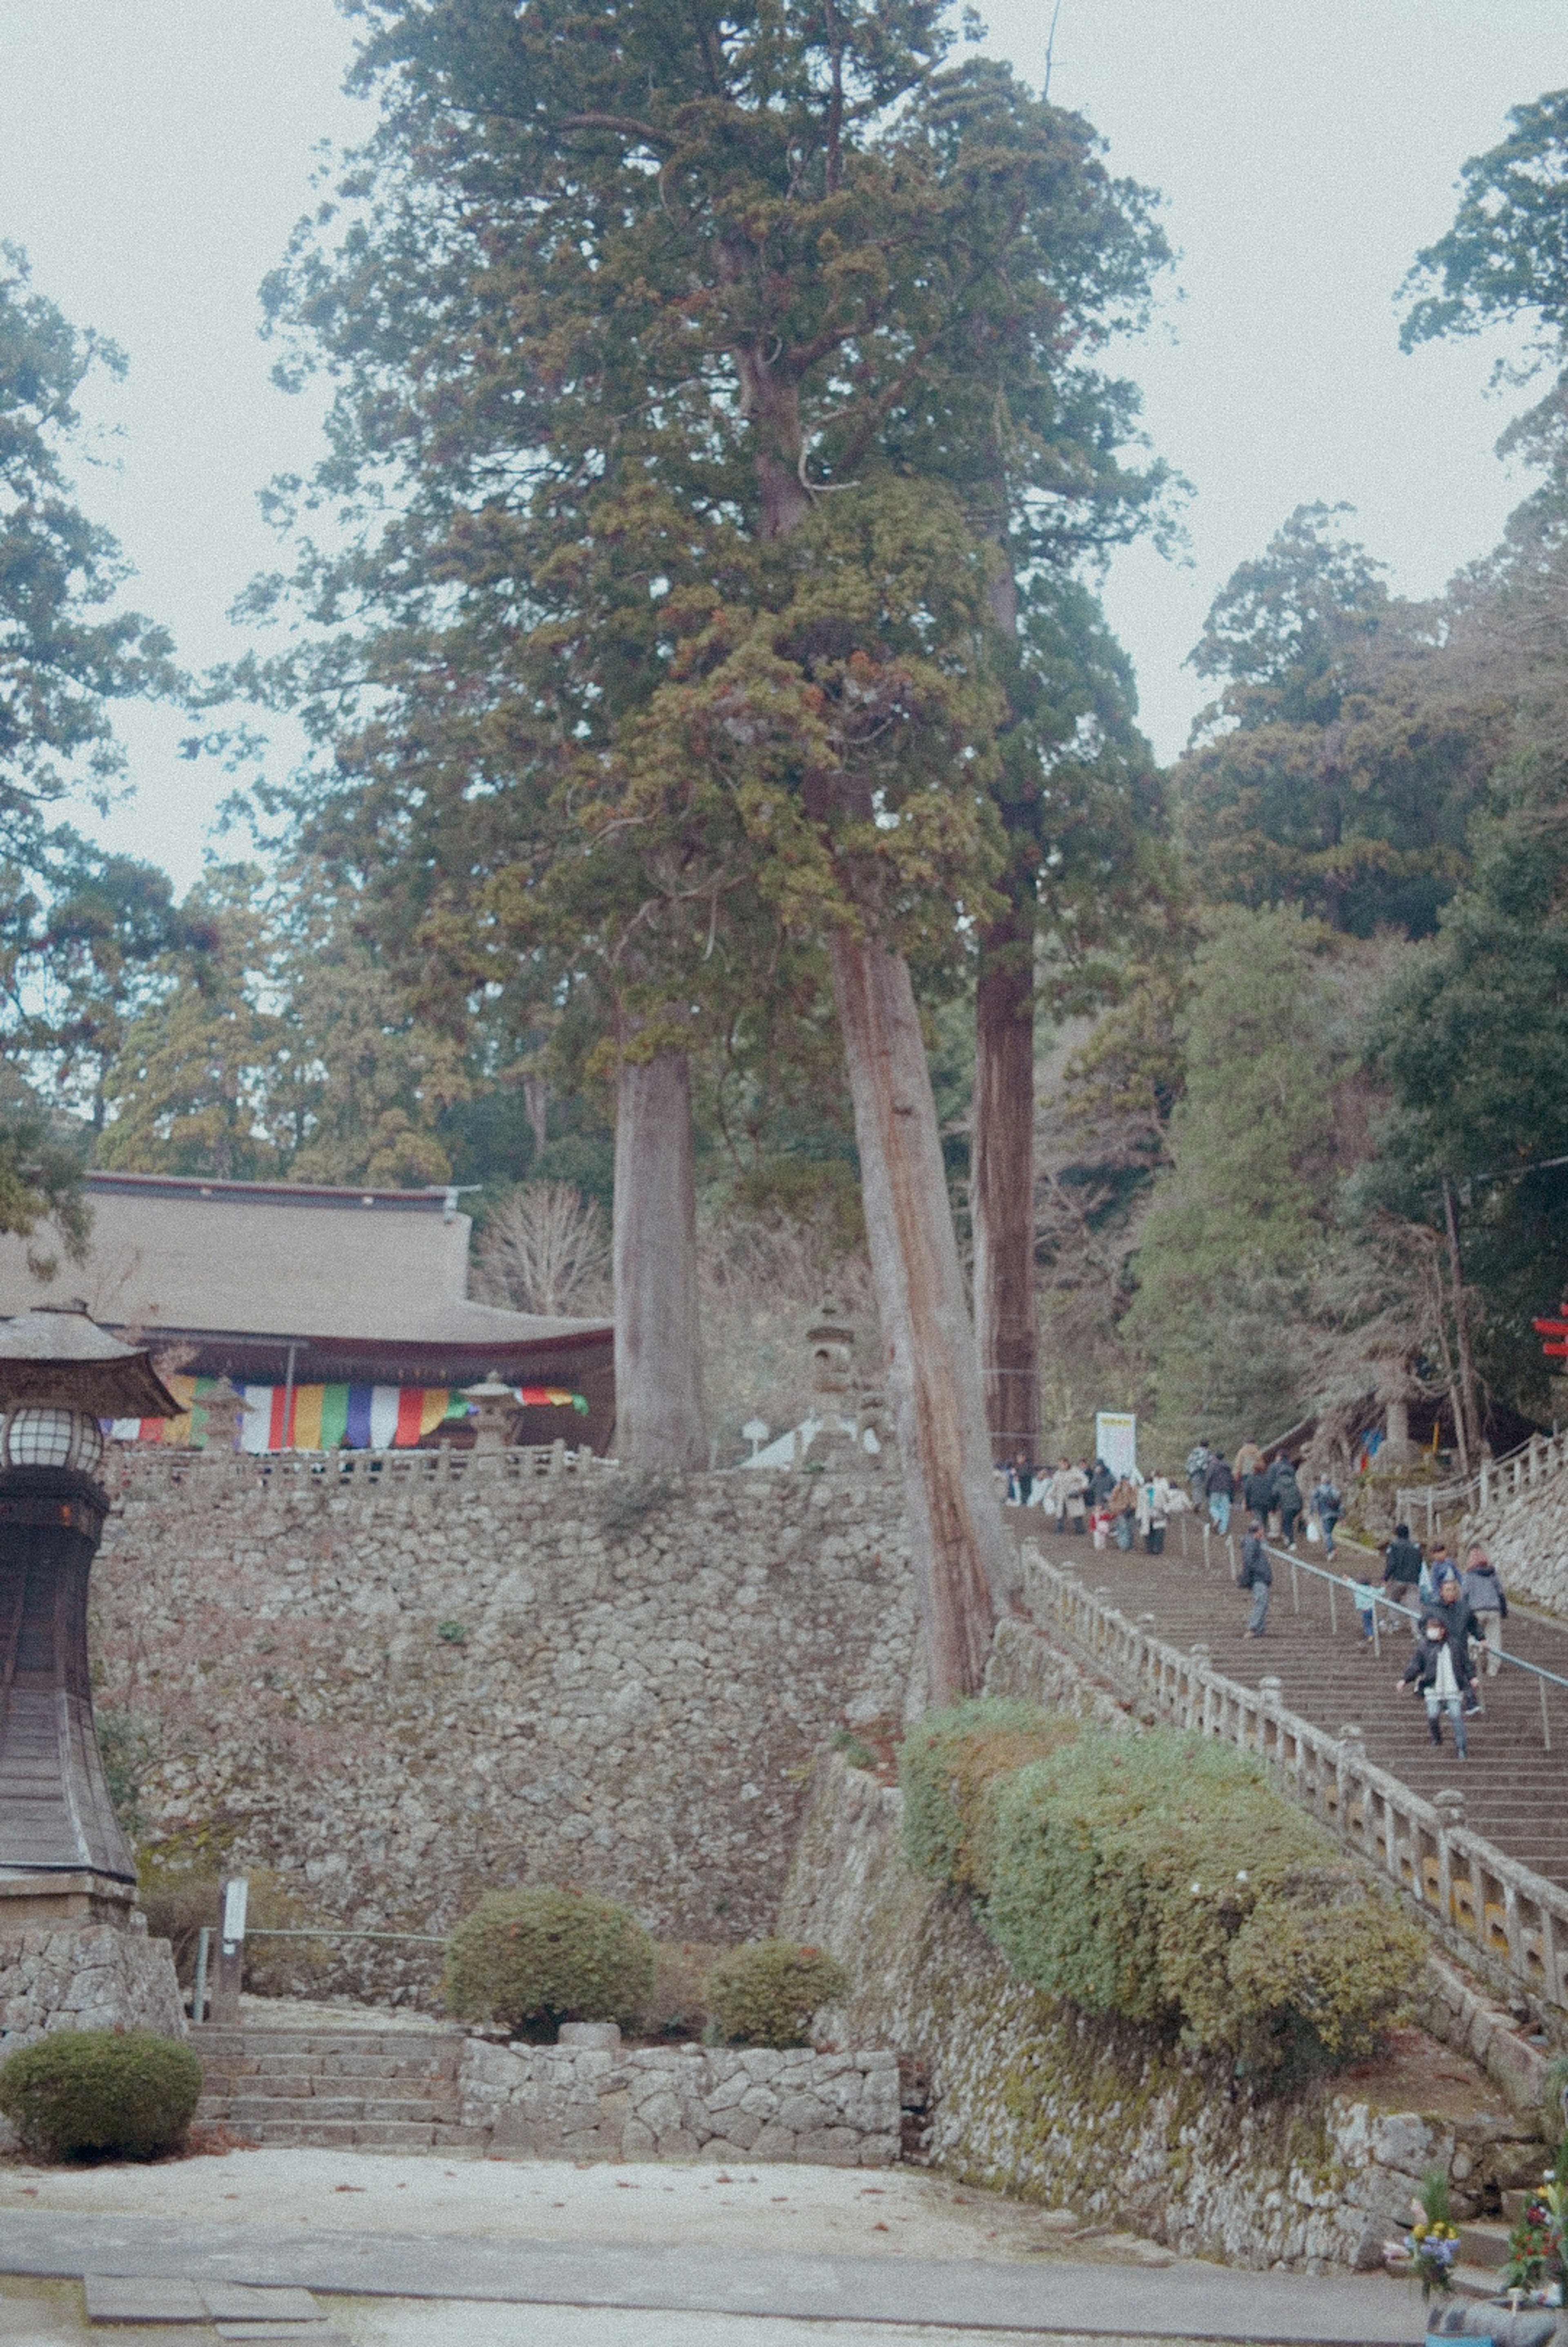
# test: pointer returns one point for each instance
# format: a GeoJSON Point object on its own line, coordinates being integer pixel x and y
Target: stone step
{"type": "Point", "coordinates": [347, 2067]}
{"type": "Point", "coordinates": [313, 2111]}
{"type": "Point", "coordinates": [1515, 1792]}
{"type": "Point", "coordinates": [367, 2135]}
{"type": "Point", "coordinates": [1483, 2244]}
{"type": "Point", "coordinates": [275, 2038]}
{"type": "Point", "coordinates": [377, 2089]}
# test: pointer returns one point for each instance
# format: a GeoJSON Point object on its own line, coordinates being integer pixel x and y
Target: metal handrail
{"type": "Point", "coordinates": [1337, 1580]}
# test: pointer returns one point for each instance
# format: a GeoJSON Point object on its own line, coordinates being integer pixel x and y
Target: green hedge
{"type": "Point", "coordinates": [1161, 1877]}
{"type": "Point", "coordinates": [98, 2090]}
{"type": "Point", "coordinates": [948, 1763]}
{"type": "Point", "coordinates": [766, 1993]}
{"type": "Point", "coordinates": [532, 1959]}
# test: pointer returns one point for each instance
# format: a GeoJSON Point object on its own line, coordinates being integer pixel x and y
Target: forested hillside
{"type": "Point", "coordinates": [694, 620]}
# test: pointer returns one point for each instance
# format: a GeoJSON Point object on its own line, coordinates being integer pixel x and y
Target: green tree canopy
{"type": "Point", "coordinates": [1240, 1217]}
{"type": "Point", "coordinates": [1341, 762]}
{"type": "Point", "coordinates": [1471, 1040]}
{"type": "Point", "coordinates": [76, 925]}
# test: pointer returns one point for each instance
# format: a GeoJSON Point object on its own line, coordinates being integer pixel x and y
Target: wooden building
{"type": "Point", "coordinates": [339, 1306]}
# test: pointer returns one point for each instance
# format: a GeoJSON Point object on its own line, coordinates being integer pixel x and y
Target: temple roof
{"type": "Point", "coordinates": [56, 1353]}
{"type": "Point", "coordinates": [171, 1259]}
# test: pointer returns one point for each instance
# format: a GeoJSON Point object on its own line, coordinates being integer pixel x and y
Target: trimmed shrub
{"type": "Point", "coordinates": [948, 1763]}
{"type": "Point", "coordinates": [97, 2090]}
{"type": "Point", "coordinates": [766, 1993]}
{"type": "Point", "coordinates": [1161, 1877]}
{"type": "Point", "coordinates": [532, 1959]}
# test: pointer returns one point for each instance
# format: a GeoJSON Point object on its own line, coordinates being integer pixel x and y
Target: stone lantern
{"type": "Point", "coordinates": [225, 1407]}
{"type": "Point", "coordinates": [832, 1343]}
{"type": "Point", "coordinates": [61, 1848]}
{"type": "Point", "coordinates": [839, 1441]}
{"type": "Point", "coordinates": [74, 1950]}
{"type": "Point", "coordinates": [494, 1408]}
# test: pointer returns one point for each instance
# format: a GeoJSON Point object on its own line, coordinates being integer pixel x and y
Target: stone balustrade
{"type": "Point", "coordinates": [1462, 1884]}
{"type": "Point", "coordinates": [146, 1472]}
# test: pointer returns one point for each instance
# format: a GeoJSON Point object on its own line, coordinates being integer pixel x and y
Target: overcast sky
{"type": "Point", "coordinates": [154, 154]}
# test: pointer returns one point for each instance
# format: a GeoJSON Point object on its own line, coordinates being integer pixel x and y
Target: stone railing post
{"type": "Point", "coordinates": [1349, 1763]}
{"type": "Point", "coordinates": [1450, 1806]}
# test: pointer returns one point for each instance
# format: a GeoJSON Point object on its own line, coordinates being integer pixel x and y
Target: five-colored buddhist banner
{"type": "Point", "coordinates": [327, 1417]}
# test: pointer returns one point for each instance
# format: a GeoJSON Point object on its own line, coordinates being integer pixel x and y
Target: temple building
{"type": "Point", "coordinates": [344, 1314]}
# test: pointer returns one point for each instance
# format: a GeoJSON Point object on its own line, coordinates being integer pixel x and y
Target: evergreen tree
{"type": "Point", "coordinates": [1341, 765]}
{"type": "Point", "coordinates": [676, 659]}
{"type": "Point", "coordinates": [1504, 262]}
{"type": "Point", "coordinates": [64, 659]}
{"type": "Point", "coordinates": [1238, 1222]}
{"type": "Point", "coordinates": [1471, 1040]}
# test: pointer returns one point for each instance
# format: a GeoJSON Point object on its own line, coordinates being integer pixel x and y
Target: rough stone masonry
{"type": "Point", "coordinates": [399, 1693]}
{"type": "Point", "coordinates": [695, 2102]}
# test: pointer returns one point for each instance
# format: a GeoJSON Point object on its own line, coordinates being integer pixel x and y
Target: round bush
{"type": "Point", "coordinates": [530, 1958]}
{"type": "Point", "coordinates": [94, 2090]}
{"type": "Point", "coordinates": [1162, 1878]}
{"type": "Point", "coordinates": [766, 1993]}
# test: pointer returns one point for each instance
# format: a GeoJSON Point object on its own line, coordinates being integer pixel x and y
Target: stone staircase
{"type": "Point", "coordinates": [393, 2089]}
{"type": "Point", "coordinates": [1515, 1791]}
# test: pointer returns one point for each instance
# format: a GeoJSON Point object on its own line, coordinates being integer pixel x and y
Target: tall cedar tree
{"type": "Point", "coordinates": [633, 309]}
{"type": "Point", "coordinates": [1053, 258]}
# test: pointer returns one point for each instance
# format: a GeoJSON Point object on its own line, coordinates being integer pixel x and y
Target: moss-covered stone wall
{"type": "Point", "coordinates": [1109, 2120]}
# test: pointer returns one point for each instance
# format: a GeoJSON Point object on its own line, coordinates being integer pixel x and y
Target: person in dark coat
{"type": "Point", "coordinates": [1401, 1567]}
{"type": "Point", "coordinates": [1448, 1607]}
{"type": "Point", "coordinates": [1258, 1491]}
{"type": "Point", "coordinates": [1220, 1486]}
{"type": "Point", "coordinates": [1286, 1498]}
{"type": "Point", "coordinates": [1102, 1484]}
{"type": "Point", "coordinates": [1433, 1668]}
{"type": "Point", "coordinates": [1328, 1507]}
{"type": "Point", "coordinates": [1257, 1574]}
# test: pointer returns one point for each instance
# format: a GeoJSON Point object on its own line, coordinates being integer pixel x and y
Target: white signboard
{"type": "Point", "coordinates": [1117, 1440]}
{"type": "Point", "coordinates": [236, 1897]}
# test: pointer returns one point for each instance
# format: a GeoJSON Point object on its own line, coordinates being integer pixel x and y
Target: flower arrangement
{"type": "Point", "coordinates": [1427, 2251]}
{"type": "Point", "coordinates": [1538, 2245]}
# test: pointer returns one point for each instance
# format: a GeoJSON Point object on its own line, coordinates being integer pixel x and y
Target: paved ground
{"type": "Point", "coordinates": [885, 2212]}
{"type": "Point", "coordinates": [482, 2253]}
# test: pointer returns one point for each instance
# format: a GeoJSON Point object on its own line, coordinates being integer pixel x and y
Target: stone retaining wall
{"type": "Point", "coordinates": [1114, 2122]}
{"type": "Point", "coordinates": [1526, 1537]}
{"type": "Point", "coordinates": [703, 2103]}
{"type": "Point", "coordinates": [401, 1692]}
{"type": "Point", "coordinates": [85, 1976]}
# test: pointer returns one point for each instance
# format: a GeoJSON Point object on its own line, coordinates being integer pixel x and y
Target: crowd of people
{"type": "Point", "coordinates": [1457, 1615]}
{"type": "Point", "coordinates": [1093, 1501]}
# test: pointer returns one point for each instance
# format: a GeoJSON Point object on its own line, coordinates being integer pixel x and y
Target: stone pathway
{"type": "Point", "coordinates": [1181, 2301]}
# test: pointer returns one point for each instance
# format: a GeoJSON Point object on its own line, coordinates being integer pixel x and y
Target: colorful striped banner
{"type": "Point", "coordinates": [326, 1418]}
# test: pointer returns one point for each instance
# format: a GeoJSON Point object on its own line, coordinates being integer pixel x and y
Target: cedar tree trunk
{"type": "Point", "coordinates": [1001, 1177]}
{"type": "Point", "coordinates": [1466, 1416]}
{"type": "Point", "coordinates": [660, 1416]}
{"type": "Point", "coordinates": [955, 1525]}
